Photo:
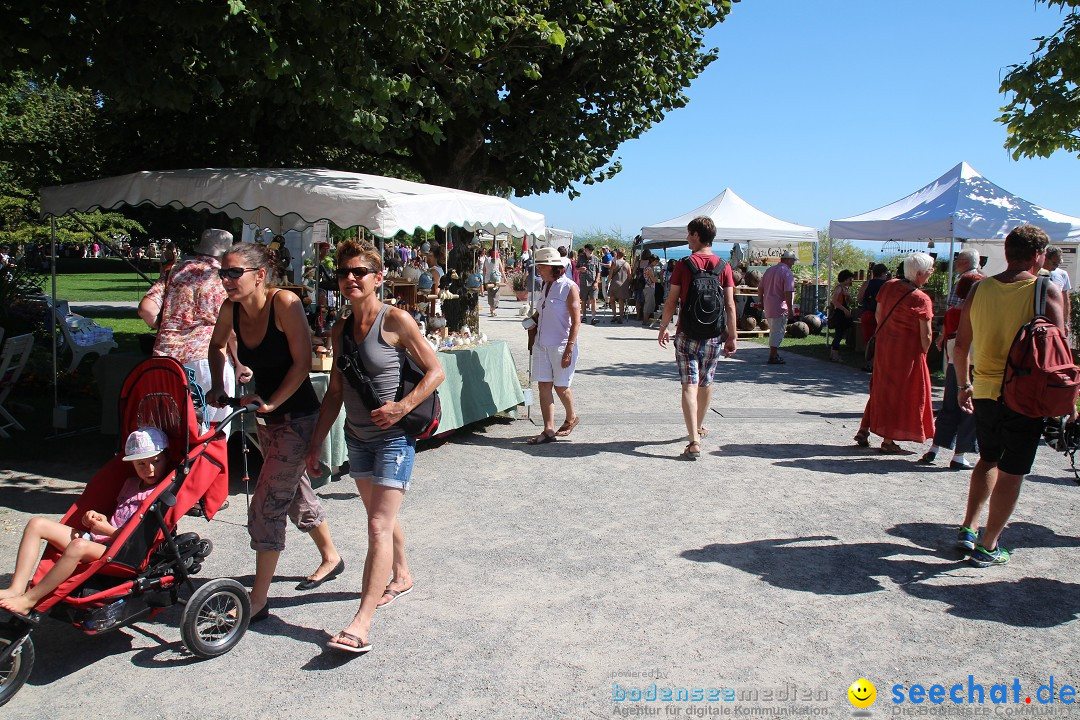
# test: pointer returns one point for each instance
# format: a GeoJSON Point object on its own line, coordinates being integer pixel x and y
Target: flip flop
{"type": "Point", "coordinates": [703, 432]}
{"type": "Point", "coordinates": [359, 648]}
{"type": "Point", "coordinates": [568, 427]}
{"type": "Point", "coordinates": [541, 439]}
{"type": "Point", "coordinates": [688, 453]}
{"type": "Point", "coordinates": [888, 446]}
{"type": "Point", "coordinates": [862, 438]}
{"type": "Point", "coordinates": [394, 595]}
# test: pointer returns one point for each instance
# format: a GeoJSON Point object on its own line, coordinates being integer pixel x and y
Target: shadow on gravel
{"type": "Point", "coordinates": [1029, 602]}
{"type": "Point", "coordinates": [569, 447]}
{"type": "Point", "coordinates": [827, 459]}
{"type": "Point", "coordinates": [30, 495]}
{"type": "Point", "coordinates": [62, 650]}
{"type": "Point", "coordinates": [933, 536]}
{"type": "Point", "coordinates": [806, 565]}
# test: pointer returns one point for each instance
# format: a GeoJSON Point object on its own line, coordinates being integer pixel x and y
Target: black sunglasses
{"type": "Point", "coordinates": [234, 273]}
{"type": "Point", "coordinates": [358, 272]}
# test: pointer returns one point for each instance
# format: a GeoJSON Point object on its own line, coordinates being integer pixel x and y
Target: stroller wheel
{"type": "Point", "coordinates": [15, 670]}
{"type": "Point", "coordinates": [216, 617]}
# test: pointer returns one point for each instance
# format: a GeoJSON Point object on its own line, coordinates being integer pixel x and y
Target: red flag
{"type": "Point", "coordinates": [524, 244]}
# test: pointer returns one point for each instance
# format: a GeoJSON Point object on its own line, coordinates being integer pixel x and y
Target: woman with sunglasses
{"type": "Point", "coordinates": [380, 453]}
{"type": "Point", "coordinates": [273, 340]}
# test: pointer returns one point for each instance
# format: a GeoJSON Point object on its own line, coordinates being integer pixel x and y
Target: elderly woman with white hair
{"type": "Point", "coordinates": [900, 407]}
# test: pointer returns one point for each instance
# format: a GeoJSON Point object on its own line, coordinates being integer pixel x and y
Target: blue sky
{"type": "Point", "coordinates": [821, 110]}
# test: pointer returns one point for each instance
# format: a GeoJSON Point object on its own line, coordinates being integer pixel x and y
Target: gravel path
{"type": "Point", "coordinates": [777, 570]}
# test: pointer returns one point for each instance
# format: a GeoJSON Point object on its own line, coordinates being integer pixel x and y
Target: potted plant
{"type": "Point", "coordinates": [519, 282]}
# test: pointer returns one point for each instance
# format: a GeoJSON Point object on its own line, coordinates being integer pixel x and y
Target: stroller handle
{"type": "Point", "coordinates": [240, 409]}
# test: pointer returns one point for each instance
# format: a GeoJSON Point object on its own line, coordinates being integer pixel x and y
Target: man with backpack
{"type": "Point", "coordinates": [705, 292]}
{"type": "Point", "coordinates": [996, 309]}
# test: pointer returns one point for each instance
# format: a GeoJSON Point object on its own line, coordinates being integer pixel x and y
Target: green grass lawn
{"type": "Point", "coordinates": [99, 287]}
{"type": "Point", "coordinates": [126, 328]}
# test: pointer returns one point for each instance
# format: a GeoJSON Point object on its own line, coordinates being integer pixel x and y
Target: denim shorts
{"type": "Point", "coordinates": [386, 462]}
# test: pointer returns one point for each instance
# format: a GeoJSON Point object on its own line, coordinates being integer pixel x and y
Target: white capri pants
{"type": "Point", "coordinates": [547, 365]}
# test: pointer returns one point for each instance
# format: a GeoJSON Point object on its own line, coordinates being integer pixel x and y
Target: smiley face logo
{"type": "Point", "coordinates": [862, 693]}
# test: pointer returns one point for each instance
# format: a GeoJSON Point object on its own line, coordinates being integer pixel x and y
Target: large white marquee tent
{"type": "Point", "coordinates": [295, 199]}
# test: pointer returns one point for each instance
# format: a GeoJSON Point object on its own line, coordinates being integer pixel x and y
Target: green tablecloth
{"type": "Point", "coordinates": [480, 382]}
{"type": "Point", "coordinates": [334, 453]}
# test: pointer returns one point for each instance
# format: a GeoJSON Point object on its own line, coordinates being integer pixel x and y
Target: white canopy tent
{"type": "Point", "coordinates": [960, 206]}
{"type": "Point", "coordinates": [294, 199]}
{"type": "Point", "coordinates": [737, 221]}
{"type": "Point", "coordinates": [286, 199]}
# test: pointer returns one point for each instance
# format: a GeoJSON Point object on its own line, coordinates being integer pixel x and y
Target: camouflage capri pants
{"type": "Point", "coordinates": [283, 488]}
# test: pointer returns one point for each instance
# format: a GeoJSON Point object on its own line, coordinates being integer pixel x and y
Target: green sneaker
{"type": "Point", "coordinates": [981, 557]}
{"type": "Point", "coordinates": [966, 538]}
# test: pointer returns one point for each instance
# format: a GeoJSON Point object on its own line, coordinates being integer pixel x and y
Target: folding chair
{"type": "Point", "coordinates": [12, 361]}
{"type": "Point", "coordinates": [82, 335]}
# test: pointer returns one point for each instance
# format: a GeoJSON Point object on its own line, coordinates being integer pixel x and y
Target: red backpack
{"type": "Point", "coordinates": [1040, 378]}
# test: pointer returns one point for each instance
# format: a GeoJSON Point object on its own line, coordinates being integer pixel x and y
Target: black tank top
{"type": "Point", "coordinates": [270, 362]}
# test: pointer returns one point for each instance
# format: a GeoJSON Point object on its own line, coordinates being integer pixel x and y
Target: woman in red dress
{"type": "Point", "coordinates": [900, 407]}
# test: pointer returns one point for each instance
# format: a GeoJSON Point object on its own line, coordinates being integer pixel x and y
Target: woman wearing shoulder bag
{"type": "Point", "coordinates": [380, 452]}
{"type": "Point", "coordinates": [900, 406]}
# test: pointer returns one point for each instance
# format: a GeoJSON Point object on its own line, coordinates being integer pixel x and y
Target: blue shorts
{"type": "Point", "coordinates": [384, 462]}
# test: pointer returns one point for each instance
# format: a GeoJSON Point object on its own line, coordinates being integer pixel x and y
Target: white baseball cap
{"type": "Point", "coordinates": [789, 255]}
{"type": "Point", "coordinates": [144, 443]}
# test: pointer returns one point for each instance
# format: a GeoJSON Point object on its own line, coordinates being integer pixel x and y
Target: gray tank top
{"type": "Point", "coordinates": [382, 363]}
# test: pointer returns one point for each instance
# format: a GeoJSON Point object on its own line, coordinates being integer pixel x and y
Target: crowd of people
{"type": "Point", "coordinates": [218, 313]}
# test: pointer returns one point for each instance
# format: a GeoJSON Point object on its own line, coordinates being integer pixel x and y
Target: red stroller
{"type": "Point", "coordinates": [147, 562]}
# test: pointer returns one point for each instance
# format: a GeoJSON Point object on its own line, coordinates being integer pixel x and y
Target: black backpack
{"type": "Point", "coordinates": [703, 316]}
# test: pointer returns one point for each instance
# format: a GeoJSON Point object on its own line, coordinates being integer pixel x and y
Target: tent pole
{"type": "Point", "coordinates": [828, 289]}
{"type": "Point", "coordinates": [944, 359]}
{"type": "Point", "coordinates": [382, 253]}
{"type": "Point", "coordinates": [532, 298]}
{"type": "Point", "coordinates": [52, 314]}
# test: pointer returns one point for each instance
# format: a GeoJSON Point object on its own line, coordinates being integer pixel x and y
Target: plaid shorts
{"type": "Point", "coordinates": [696, 359]}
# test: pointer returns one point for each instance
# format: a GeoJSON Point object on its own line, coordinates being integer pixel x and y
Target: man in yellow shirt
{"type": "Point", "coordinates": [996, 308]}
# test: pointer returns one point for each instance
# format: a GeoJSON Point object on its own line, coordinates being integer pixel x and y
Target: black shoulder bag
{"type": "Point", "coordinates": [420, 422]}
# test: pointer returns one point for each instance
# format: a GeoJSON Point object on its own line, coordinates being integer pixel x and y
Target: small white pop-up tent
{"type": "Point", "coordinates": [737, 221]}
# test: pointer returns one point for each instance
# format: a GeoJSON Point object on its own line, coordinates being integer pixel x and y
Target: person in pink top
{"type": "Point", "coordinates": [776, 293]}
{"type": "Point", "coordinates": [183, 308]}
{"type": "Point", "coordinates": [145, 450]}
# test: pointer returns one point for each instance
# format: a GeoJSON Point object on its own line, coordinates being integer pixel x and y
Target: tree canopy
{"type": "Point", "coordinates": [485, 95]}
{"type": "Point", "coordinates": [1043, 114]}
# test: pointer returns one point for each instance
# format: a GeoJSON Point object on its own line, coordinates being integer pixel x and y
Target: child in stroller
{"type": "Point", "coordinates": [145, 450]}
{"type": "Point", "coordinates": [142, 566]}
